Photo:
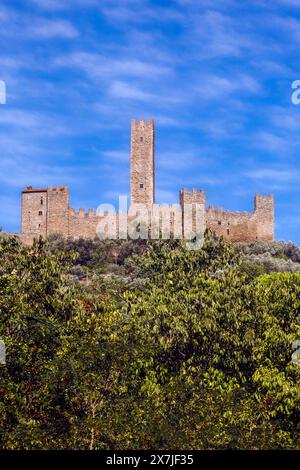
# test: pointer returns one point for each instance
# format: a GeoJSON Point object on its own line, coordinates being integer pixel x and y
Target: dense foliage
{"type": "Point", "coordinates": [128, 345]}
{"type": "Point", "coordinates": [271, 256]}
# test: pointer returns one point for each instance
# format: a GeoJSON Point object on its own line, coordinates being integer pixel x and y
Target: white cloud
{"type": "Point", "coordinates": [19, 118]}
{"type": "Point", "coordinates": [58, 5]}
{"type": "Point", "coordinates": [22, 170]}
{"type": "Point", "coordinates": [287, 119]}
{"type": "Point", "coordinates": [116, 155]}
{"type": "Point", "coordinates": [98, 66]}
{"type": "Point", "coordinates": [6, 14]}
{"type": "Point", "coordinates": [289, 3]}
{"type": "Point", "coordinates": [219, 35]}
{"type": "Point", "coordinates": [36, 123]}
{"type": "Point", "coordinates": [10, 210]}
{"type": "Point", "coordinates": [50, 4]}
{"type": "Point", "coordinates": [125, 90]}
{"type": "Point", "coordinates": [275, 143]}
{"type": "Point", "coordinates": [175, 161]}
{"type": "Point", "coordinates": [129, 91]}
{"type": "Point", "coordinates": [287, 25]}
{"type": "Point", "coordinates": [169, 121]}
{"type": "Point", "coordinates": [276, 175]}
{"type": "Point", "coordinates": [47, 29]}
{"type": "Point", "coordinates": [138, 11]}
{"type": "Point", "coordinates": [214, 87]}
{"type": "Point", "coordinates": [27, 26]}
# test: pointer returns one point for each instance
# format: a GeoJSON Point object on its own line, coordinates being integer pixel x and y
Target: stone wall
{"type": "Point", "coordinates": [234, 226]}
{"type": "Point", "coordinates": [193, 209]}
{"type": "Point", "coordinates": [58, 211]}
{"type": "Point", "coordinates": [82, 224]}
{"type": "Point", "coordinates": [34, 211]}
{"type": "Point", "coordinates": [244, 226]}
{"type": "Point", "coordinates": [176, 221]}
{"type": "Point", "coordinates": [142, 175]}
{"type": "Point", "coordinates": [46, 211]}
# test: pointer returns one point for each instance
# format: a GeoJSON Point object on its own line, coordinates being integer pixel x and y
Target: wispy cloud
{"type": "Point", "coordinates": [36, 123]}
{"type": "Point", "coordinates": [50, 5]}
{"type": "Point", "coordinates": [99, 66]}
{"type": "Point", "coordinates": [214, 75]}
{"type": "Point", "coordinates": [289, 25]}
{"type": "Point", "coordinates": [289, 3]}
{"type": "Point", "coordinates": [46, 29]}
{"type": "Point", "coordinates": [6, 14]}
{"type": "Point", "coordinates": [219, 35]}
{"type": "Point", "coordinates": [117, 155]}
{"type": "Point", "coordinates": [35, 27]}
{"type": "Point", "coordinates": [214, 87]}
{"type": "Point", "coordinates": [125, 90]}
{"type": "Point", "coordinates": [60, 5]}
{"type": "Point", "coordinates": [139, 11]}
{"type": "Point", "coordinates": [275, 175]}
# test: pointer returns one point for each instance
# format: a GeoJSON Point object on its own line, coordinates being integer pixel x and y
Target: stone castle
{"type": "Point", "coordinates": [47, 211]}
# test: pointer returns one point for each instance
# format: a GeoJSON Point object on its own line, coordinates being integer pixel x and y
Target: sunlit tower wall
{"type": "Point", "coordinates": [142, 171]}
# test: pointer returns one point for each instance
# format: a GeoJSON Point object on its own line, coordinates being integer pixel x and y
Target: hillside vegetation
{"type": "Point", "coordinates": [115, 256]}
{"type": "Point", "coordinates": [135, 345]}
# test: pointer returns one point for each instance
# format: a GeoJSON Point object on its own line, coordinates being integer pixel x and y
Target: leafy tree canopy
{"type": "Point", "coordinates": [196, 355]}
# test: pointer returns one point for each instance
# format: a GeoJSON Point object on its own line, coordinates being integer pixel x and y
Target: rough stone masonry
{"type": "Point", "coordinates": [47, 211]}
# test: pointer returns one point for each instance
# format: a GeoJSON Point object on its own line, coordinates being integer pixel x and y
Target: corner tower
{"type": "Point", "coordinates": [34, 211]}
{"type": "Point", "coordinates": [264, 211]}
{"type": "Point", "coordinates": [142, 184]}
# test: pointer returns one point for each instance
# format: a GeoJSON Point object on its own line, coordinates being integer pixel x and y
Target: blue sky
{"type": "Point", "coordinates": [215, 75]}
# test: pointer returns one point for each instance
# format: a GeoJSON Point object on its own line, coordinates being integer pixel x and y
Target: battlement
{"type": "Point", "coordinates": [30, 189]}
{"type": "Point", "coordinates": [263, 203]}
{"type": "Point", "coordinates": [226, 213]}
{"type": "Point", "coordinates": [47, 211]}
{"type": "Point", "coordinates": [82, 213]}
{"type": "Point", "coordinates": [138, 125]}
{"type": "Point", "coordinates": [191, 197]}
{"type": "Point", "coordinates": [58, 189]}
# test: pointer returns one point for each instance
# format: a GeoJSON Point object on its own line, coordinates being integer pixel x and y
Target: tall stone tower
{"type": "Point", "coordinates": [142, 184]}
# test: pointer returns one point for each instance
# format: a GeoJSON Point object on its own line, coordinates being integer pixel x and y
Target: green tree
{"type": "Point", "coordinates": [197, 355]}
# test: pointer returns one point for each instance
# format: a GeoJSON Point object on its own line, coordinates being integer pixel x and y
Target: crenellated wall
{"type": "Point", "coordinates": [244, 226]}
{"type": "Point", "coordinates": [235, 226]}
{"type": "Point", "coordinates": [82, 224]}
{"type": "Point", "coordinates": [47, 211]}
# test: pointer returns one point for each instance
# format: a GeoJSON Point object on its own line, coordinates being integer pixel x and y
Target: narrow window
{"type": "Point", "coordinates": [42, 201]}
{"type": "Point", "coordinates": [228, 231]}
{"type": "Point", "coordinates": [219, 222]}
{"type": "Point", "coordinates": [141, 185]}
{"type": "Point", "coordinates": [40, 212]}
